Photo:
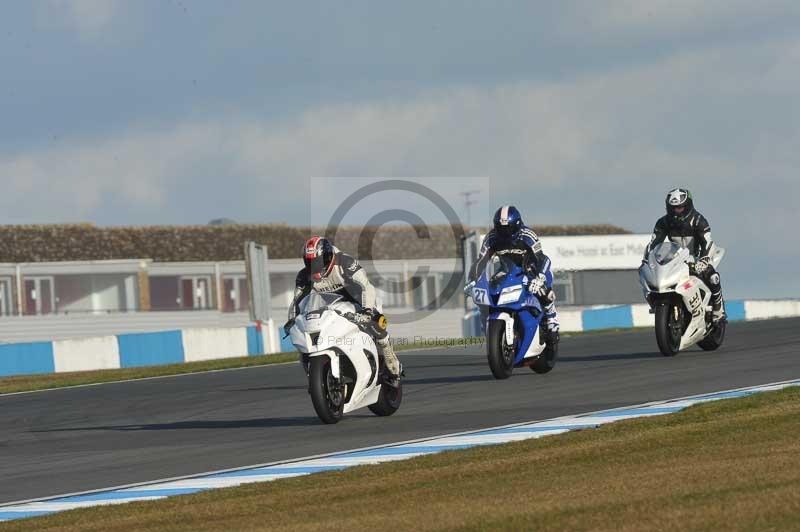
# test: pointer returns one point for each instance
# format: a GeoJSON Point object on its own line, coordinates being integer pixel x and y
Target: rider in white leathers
{"type": "Point", "coordinates": [329, 270]}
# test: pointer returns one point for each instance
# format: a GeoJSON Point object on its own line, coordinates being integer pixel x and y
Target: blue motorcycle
{"type": "Point", "coordinates": [513, 316]}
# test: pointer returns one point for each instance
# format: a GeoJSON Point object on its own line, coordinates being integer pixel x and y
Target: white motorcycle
{"type": "Point", "coordinates": [341, 360]}
{"type": "Point", "coordinates": [680, 300]}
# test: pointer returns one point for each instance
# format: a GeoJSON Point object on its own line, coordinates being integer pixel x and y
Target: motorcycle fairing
{"type": "Point", "coordinates": [696, 299]}
{"type": "Point", "coordinates": [667, 272]}
{"type": "Point", "coordinates": [347, 341]}
{"type": "Point", "coordinates": [508, 299]}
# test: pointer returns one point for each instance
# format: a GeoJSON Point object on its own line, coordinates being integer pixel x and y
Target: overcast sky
{"type": "Point", "coordinates": [177, 112]}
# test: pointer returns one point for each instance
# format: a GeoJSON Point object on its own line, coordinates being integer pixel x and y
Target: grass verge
{"type": "Point", "coordinates": [24, 383]}
{"type": "Point", "coordinates": [726, 465]}
{"type": "Point", "coordinates": [27, 383]}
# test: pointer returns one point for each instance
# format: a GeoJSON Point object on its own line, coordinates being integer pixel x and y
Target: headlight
{"type": "Point", "coordinates": [509, 295]}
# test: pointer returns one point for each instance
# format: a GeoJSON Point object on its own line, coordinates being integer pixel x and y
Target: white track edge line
{"type": "Point", "coordinates": [386, 445]}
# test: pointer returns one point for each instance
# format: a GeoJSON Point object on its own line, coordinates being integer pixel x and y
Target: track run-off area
{"type": "Point", "coordinates": [85, 438]}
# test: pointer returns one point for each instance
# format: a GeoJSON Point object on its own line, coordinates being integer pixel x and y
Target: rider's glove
{"type": "Point", "coordinates": [702, 265]}
{"type": "Point", "coordinates": [287, 327]}
{"type": "Point", "coordinates": [538, 285]}
{"type": "Point", "coordinates": [468, 288]}
{"type": "Point", "coordinates": [365, 316]}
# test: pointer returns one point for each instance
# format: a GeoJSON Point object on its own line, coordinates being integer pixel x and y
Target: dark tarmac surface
{"type": "Point", "coordinates": [70, 440]}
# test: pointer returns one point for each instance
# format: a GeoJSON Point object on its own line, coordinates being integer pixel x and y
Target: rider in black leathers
{"type": "Point", "coordinates": [687, 227]}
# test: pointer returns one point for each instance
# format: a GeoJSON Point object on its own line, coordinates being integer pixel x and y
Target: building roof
{"type": "Point", "coordinates": [81, 242]}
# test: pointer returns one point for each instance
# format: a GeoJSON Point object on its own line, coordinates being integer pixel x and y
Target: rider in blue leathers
{"type": "Point", "coordinates": [512, 238]}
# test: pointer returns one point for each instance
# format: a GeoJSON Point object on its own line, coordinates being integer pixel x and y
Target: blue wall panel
{"type": "Point", "coordinates": [255, 341]}
{"type": "Point", "coordinates": [150, 349]}
{"type": "Point", "coordinates": [735, 310]}
{"type": "Point", "coordinates": [286, 343]}
{"type": "Point", "coordinates": [26, 359]}
{"type": "Point", "coordinates": [608, 318]}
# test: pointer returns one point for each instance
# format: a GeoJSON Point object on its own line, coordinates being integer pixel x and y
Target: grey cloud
{"type": "Point", "coordinates": [602, 144]}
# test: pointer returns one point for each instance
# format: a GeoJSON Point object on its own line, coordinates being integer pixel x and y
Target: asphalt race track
{"type": "Point", "coordinates": [78, 439]}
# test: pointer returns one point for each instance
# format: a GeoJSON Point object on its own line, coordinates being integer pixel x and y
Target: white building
{"type": "Point", "coordinates": [40, 300]}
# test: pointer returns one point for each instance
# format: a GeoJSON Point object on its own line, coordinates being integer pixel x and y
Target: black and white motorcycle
{"type": "Point", "coordinates": [680, 300]}
{"type": "Point", "coordinates": [341, 360]}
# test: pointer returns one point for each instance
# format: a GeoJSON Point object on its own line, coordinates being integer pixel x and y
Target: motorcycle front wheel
{"type": "Point", "coordinates": [499, 353]}
{"type": "Point", "coordinates": [668, 329]}
{"type": "Point", "coordinates": [327, 395]}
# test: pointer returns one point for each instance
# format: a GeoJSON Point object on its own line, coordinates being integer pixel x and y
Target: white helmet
{"type": "Point", "coordinates": [679, 204]}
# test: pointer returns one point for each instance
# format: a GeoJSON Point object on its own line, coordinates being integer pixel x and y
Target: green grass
{"type": "Point", "coordinates": [726, 465]}
{"type": "Point", "coordinates": [25, 383]}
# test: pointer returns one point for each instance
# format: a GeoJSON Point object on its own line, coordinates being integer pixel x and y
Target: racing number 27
{"type": "Point", "coordinates": [480, 296]}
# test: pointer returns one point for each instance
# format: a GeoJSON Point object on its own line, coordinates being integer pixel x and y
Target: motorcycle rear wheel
{"type": "Point", "coordinates": [389, 399]}
{"type": "Point", "coordinates": [547, 360]}
{"type": "Point", "coordinates": [715, 338]}
{"type": "Point", "coordinates": [326, 396]}
{"type": "Point", "coordinates": [668, 332]}
{"type": "Point", "coordinates": [499, 353]}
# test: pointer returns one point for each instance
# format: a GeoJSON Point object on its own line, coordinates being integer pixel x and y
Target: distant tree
{"type": "Point", "coordinates": [222, 221]}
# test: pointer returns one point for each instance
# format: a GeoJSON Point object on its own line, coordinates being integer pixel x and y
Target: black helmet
{"type": "Point", "coordinates": [507, 221]}
{"type": "Point", "coordinates": [318, 257]}
{"type": "Point", "coordinates": [679, 205]}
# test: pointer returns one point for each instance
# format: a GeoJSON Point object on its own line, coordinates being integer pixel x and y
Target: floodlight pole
{"type": "Point", "coordinates": [469, 202]}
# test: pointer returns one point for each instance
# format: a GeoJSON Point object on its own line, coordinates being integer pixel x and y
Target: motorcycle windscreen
{"type": "Point", "coordinates": [665, 252]}
{"type": "Point", "coordinates": [318, 301]}
{"type": "Point", "coordinates": [499, 267]}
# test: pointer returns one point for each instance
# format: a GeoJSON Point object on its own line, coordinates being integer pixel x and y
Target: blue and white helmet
{"type": "Point", "coordinates": [507, 221]}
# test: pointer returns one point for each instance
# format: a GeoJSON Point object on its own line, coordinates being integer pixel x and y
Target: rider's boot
{"type": "Point", "coordinates": [551, 324]}
{"type": "Point", "coordinates": [552, 336]}
{"type": "Point", "coordinates": [390, 360]}
{"type": "Point", "coordinates": [717, 307]}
